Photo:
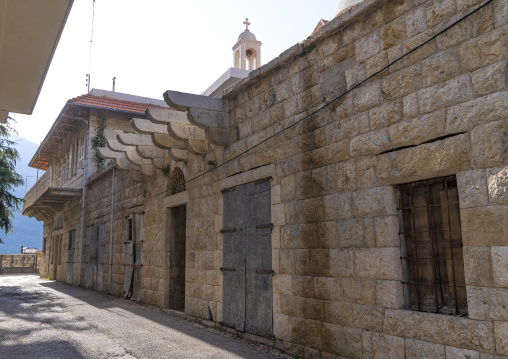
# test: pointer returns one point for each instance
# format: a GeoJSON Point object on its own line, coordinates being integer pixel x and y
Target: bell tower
{"type": "Point", "coordinates": [247, 50]}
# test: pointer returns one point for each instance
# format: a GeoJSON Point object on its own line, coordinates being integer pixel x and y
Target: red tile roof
{"type": "Point", "coordinates": [88, 100]}
{"type": "Point", "coordinates": [320, 24]}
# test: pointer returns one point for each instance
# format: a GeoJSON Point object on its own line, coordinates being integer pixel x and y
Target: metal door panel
{"type": "Point", "coordinates": [70, 257]}
{"type": "Point", "coordinates": [259, 301]}
{"type": "Point", "coordinates": [257, 211]}
{"type": "Point", "coordinates": [88, 255]}
{"type": "Point", "coordinates": [247, 258]}
{"type": "Point", "coordinates": [100, 254]}
{"type": "Point", "coordinates": [137, 250]}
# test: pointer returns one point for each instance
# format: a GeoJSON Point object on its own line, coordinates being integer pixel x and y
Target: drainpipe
{"type": "Point", "coordinates": [83, 200]}
{"type": "Point", "coordinates": [111, 229]}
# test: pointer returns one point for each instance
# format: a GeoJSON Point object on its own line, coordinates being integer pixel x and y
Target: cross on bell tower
{"type": "Point", "coordinates": [246, 23]}
{"type": "Point", "coordinates": [247, 50]}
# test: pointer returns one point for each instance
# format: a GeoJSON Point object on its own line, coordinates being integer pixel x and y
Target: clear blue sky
{"type": "Point", "coordinates": [156, 45]}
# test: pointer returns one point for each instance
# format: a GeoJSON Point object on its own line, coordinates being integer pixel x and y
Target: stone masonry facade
{"type": "Point", "coordinates": [338, 288]}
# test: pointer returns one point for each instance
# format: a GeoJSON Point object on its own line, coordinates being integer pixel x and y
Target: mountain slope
{"type": "Point", "coordinates": [27, 231]}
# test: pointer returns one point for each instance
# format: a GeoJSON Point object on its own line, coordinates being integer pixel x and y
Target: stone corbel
{"type": "Point", "coordinates": [207, 113]}
{"type": "Point", "coordinates": [179, 128]}
{"type": "Point", "coordinates": [121, 161]}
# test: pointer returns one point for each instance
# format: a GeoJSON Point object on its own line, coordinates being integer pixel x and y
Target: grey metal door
{"type": "Point", "coordinates": [247, 258]}
{"type": "Point", "coordinates": [70, 256]}
{"type": "Point", "coordinates": [90, 257]}
{"type": "Point", "coordinates": [132, 261]}
{"type": "Point", "coordinates": [99, 228]}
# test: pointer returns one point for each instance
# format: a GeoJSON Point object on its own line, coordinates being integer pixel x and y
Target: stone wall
{"type": "Point", "coordinates": [334, 168]}
{"type": "Point", "coordinates": [336, 248]}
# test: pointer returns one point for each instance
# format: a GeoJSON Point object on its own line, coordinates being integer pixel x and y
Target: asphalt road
{"type": "Point", "coordinates": [46, 319]}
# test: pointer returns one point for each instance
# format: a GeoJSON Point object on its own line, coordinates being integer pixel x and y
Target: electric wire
{"type": "Point", "coordinates": [325, 105]}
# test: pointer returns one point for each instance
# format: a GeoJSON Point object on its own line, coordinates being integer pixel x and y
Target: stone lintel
{"type": "Point", "coordinates": [147, 127]}
{"type": "Point", "coordinates": [132, 139]}
{"type": "Point", "coordinates": [165, 141]}
{"type": "Point", "coordinates": [178, 155]}
{"type": "Point", "coordinates": [150, 152]}
{"type": "Point", "coordinates": [183, 101]}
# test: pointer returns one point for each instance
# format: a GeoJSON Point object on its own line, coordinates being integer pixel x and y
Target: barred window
{"type": "Point", "coordinates": [431, 244]}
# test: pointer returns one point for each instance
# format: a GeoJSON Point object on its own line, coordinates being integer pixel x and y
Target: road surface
{"type": "Point", "coordinates": [46, 319]}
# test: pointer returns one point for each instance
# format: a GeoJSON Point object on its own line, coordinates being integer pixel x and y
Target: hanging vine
{"type": "Point", "coordinates": [99, 140]}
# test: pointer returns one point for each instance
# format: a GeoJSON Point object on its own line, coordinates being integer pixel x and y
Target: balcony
{"type": "Point", "coordinates": [43, 201]}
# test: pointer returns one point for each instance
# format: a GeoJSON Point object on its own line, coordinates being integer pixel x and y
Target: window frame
{"type": "Point", "coordinates": [441, 246]}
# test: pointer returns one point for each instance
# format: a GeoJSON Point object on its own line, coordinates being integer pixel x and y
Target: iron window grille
{"type": "Point", "coordinates": [431, 247]}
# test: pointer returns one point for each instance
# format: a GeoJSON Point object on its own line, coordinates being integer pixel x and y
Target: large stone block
{"type": "Point", "coordinates": [472, 187]}
{"type": "Point", "coordinates": [440, 158]}
{"type": "Point", "coordinates": [358, 291]}
{"type": "Point", "coordinates": [382, 346]}
{"type": "Point", "coordinates": [497, 185]}
{"type": "Point", "coordinates": [393, 33]}
{"type": "Point", "coordinates": [303, 286]}
{"type": "Point", "coordinates": [355, 75]}
{"type": "Point", "coordinates": [375, 202]}
{"type": "Point", "coordinates": [477, 266]}
{"type": "Point", "coordinates": [355, 125]}
{"type": "Point", "coordinates": [440, 329]}
{"type": "Point", "coordinates": [282, 284]}
{"type": "Point", "coordinates": [281, 326]}
{"type": "Point", "coordinates": [418, 130]}
{"type": "Point", "coordinates": [484, 226]}
{"type": "Point", "coordinates": [351, 233]}
{"type": "Point", "coordinates": [346, 176]}
{"type": "Point", "coordinates": [297, 330]}
{"type": "Point", "coordinates": [387, 231]}
{"type": "Point", "coordinates": [403, 82]}
{"type": "Point", "coordinates": [501, 333]}
{"type": "Point", "coordinates": [368, 96]}
{"type": "Point", "coordinates": [439, 11]}
{"type": "Point", "coordinates": [456, 35]}
{"type": "Point", "coordinates": [449, 93]}
{"type": "Point", "coordinates": [342, 341]}
{"type": "Point", "coordinates": [378, 263]}
{"type": "Point", "coordinates": [338, 312]}
{"type": "Point", "coordinates": [484, 50]}
{"type": "Point", "coordinates": [310, 308]}
{"type": "Point", "coordinates": [489, 145]}
{"type": "Point", "coordinates": [338, 206]}
{"type": "Point", "coordinates": [500, 11]}
{"type": "Point", "coordinates": [386, 114]}
{"type": "Point", "coordinates": [416, 349]}
{"type": "Point", "coordinates": [441, 67]}
{"type": "Point", "coordinates": [457, 353]}
{"type": "Point", "coordinates": [466, 116]}
{"type": "Point", "coordinates": [342, 263]}
{"type": "Point", "coordinates": [389, 294]}
{"type": "Point", "coordinates": [500, 266]}
{"type": "Point", "coordinates": [368, 46]}
{"type": "Point", "coordinates": [371, 143]}
{"type": "Point", "coordinates": [314, 338]}
{"type": "Point", "coordinates": [366, 169]}
{"type": "Point", "coordinates": [394, 9]}
{"type": "Point", "coordinates": [489, 79]}
{"type": "Point", "coordinates": [416, 21]}
{"type": "Point", "coordinates": [487, 303]}
{"type": "Point", "coordinates": [287, 261]}
{"type": "Point", "coordinates": [328, 288]}
{"type": "Point", "coordinates": [368, 317]}
{"type": "Point", "coordinates": [376, 63]}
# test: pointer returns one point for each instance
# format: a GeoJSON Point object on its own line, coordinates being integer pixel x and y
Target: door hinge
{"type": "Point", "coordinates": [229, 230]}
{"type": "Point", "coordinates": [224, 269]}
{"type": "Point", "coordinates": [263, 180]}
{"type": "Point", "coordinates": [265, 271]}
{"type": "Point", "coordinates": [268, 225]}
{"type": "Point", "coordinates": [231, 189]}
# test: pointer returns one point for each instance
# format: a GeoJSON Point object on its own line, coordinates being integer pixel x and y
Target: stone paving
{"type": "Point", "coordinates": [46, 319]}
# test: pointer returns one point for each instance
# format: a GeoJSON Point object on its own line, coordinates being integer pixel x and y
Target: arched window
{"type": "Point", "coordinates": [250, 59]}
{"type": "Point", "coordinates": [177, 183]}
{"type": "Point", "coordinates": [237, 59]}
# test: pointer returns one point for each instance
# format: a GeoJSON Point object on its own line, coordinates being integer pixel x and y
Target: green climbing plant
{"type": "Point", "coordinates": [99, 140]}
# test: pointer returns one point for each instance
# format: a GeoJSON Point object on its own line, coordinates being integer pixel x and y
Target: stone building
{"type": "Point", "coordinates": [346, 200]}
